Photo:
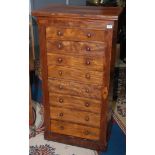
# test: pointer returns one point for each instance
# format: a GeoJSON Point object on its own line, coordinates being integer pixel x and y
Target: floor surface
{"type": "Point", "coordinates": [117, 143]}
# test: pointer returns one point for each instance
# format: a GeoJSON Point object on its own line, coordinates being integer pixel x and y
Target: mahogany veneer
{"type": "Point", "coordinates": [77, 45]}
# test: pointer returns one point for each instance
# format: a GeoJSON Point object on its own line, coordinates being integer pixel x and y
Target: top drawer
{"type": "Point", "coordinates": [75, 34]}
{"type": "Point", "coordinates": [75, 23]}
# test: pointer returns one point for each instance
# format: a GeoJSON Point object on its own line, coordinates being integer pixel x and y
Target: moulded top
{"type": "Point", "coordinates": [89, 12]}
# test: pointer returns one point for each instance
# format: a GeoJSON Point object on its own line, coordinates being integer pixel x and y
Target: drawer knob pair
{"type": "Point", "coordinates": [87, 76]}
{"type": "Point", "coordinates": [59, 33]}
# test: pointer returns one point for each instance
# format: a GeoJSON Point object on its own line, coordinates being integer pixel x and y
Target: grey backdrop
{"type": "Point", "coordinates": [40, 3]}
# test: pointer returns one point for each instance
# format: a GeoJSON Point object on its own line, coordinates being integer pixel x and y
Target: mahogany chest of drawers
{"type": "Point", "coordinates": [77, 46]}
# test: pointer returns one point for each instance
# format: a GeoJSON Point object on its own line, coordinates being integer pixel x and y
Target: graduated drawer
{"type": "Point", "coordinates": [74, 88]}
{"type": "Point", "coordinates": [75, 23]}
{"type": "Point", "coordinates": [78, 62]}
{"type": "Point", "coordinates": [75, 116]}
{"type": "Point", "coordinates": [75, 47]}
{"type": "Point", "coordinates": [76, 34]}
{"type": "Point", "coordinates": [81, 75]}
{"type": "Point", "coordinates": [79, 103]}
{"type": "Point", "coordinates": [75, 130]}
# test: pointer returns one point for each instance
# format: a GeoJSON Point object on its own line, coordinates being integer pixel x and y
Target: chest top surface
{"type": "Point", "coordinates": [88, 12]}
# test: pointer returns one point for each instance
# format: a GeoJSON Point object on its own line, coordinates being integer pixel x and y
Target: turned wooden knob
{"type": "Point", "coordinates": [87, 118]}
{"type": "Point", "coordinates": [87, 48]}
{"type": "Point", "coordinates": [60, 86]}
{"type": "Point", "coordinates": [87, 104]}
{"type": "Point", "coordinates": [87, 90]}
{"type": "Point", "coordinates": [89, 35]}
{"type": "Point", "coordinates": [87, 76]}
{"type": "Point", "coordinates": [86, 132]}
{"type": "Point", "coordinates": [87, 62]}
{"type": "Point", "coordinates": [60, 73]}
{"type": "Point", "coordinates": [61, 114]}
{"type": "Point", "coordinates": [59, 45]}
{"type": "Point", "coordinates": [62, 127]}
{"type": "Point", "coordinates": [59, 60]}
{"type": "Point", "coordinates": [61, 100]}
{"type": "Point", "coordinates": [59, 33]}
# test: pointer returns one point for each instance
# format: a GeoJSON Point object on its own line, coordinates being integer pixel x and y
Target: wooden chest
{"type": "Point", "coordinates": [77, 46]}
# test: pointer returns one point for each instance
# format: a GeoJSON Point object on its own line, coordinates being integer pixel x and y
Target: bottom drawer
{"type": "Point", "coordinates": [76, 130]}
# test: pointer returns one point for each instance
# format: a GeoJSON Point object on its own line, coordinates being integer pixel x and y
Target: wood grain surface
{"type": "Point", "coordinates": [75, 34]}
{"type": "Point", "coordinates": [76, 47]}
{"type": "Point", "coordinates": [87, 62]}
{"type": "Point", "coordinates": [75, 130]}
{"type": "Point", "coordinates": [75, 89]}
{"type": "Point", "coordinates": [75, 23]}
{"type": "Point", "coordinates": [74, 102]}
{"type": "Point", "coordinates": [78, 12]}
{"type": "Point", "coordinates": [75, 116]}
{"type": "Point", "coordinates": [73, 74]}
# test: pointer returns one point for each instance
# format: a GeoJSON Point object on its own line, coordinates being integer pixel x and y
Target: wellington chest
{"type": "Point", "coordinates": [77, 45]}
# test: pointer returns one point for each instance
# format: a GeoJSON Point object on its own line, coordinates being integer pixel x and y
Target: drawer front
{"type": "Point", "coordinates": [75, 116]}
{"type": "Point", "coordinates": [74, 88]}
{"type": "Point", "coordinates": [83, 75]}
{"type": "Point", "coordinates": [76, 34]}
{"type": "Point", "coordinates": [76, 130]}
{"type": "Point", "coordinates": [78, 62]}
{"type": "Point", "coordinates": [75, 47]}
{"type": "Point", "coordinates": [79, 103]}
{"type": "Point", "coordinates": [65, 22]}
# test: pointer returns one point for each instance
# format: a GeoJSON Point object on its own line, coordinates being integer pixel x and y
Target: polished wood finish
{"type": "Point", "coordinates": [78, 51]}
{"type": "Point", "coordinates": [74, 102]}
{"type": "Point", "coordinates": [71, 115]}
{"type": "Point", "coordinates": [87, 62]}
{"type": "Point", "coordinates": [76, 48]}
{"type": "Point", "coordinates": [75, 34]}
{"type": "Point", "coordinates": [79, 75]}
{"type": "Point", "coordinates": [75, 89]}
{"type": "Point", "coordinates": [74, 23]}
{"type": "Point", "coordinates": [75, 130]}
{"type": "Point", "coordinates": [79, 12]}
